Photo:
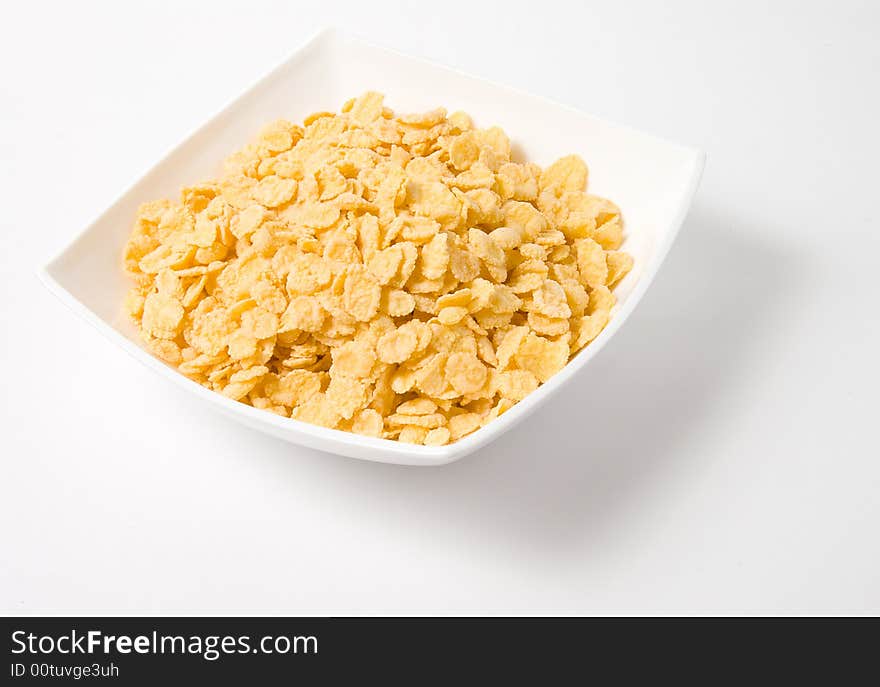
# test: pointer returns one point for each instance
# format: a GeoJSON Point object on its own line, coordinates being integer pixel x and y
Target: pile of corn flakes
{"type": "Point", "coordinates": [396, 276]}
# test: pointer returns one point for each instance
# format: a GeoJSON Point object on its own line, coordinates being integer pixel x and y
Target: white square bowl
{"type": "Point", "coordinates": [653, 181]}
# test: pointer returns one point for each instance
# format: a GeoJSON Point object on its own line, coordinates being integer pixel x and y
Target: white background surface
{"type": "Point", "coordinates": [720, 456]}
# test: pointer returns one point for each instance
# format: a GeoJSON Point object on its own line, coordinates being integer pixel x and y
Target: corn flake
{"type": "Point", "coordinates": [395, 276]}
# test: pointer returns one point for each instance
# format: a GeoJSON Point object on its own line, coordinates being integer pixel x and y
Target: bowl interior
{"type": "Point", "coordinates": [650, 179]}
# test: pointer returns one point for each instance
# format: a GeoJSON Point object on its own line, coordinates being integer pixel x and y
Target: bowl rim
{"type": "Point", "coordinates": [323, 438]}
